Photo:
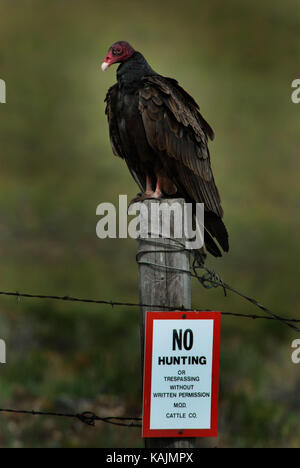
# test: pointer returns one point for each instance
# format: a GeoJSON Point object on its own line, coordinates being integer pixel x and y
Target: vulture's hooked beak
{"type": "Point", "coordinates": [104, 66]}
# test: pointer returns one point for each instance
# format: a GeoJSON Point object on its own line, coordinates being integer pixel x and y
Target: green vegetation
{"type": "Point", "coordinates": [238, 60]}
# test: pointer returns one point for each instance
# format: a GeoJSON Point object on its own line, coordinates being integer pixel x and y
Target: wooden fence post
{"type": "Point", "coordinates": [163, 286]}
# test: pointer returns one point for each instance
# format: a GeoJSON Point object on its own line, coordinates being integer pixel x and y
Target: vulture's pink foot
{"type": "Point", "coordinates": [148, 194]}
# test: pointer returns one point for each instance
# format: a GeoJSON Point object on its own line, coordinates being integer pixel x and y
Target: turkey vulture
{"type": "Point", "coordinates": [156, 127]}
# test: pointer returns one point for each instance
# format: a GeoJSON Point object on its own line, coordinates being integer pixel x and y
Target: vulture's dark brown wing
{"type": "Point", "coordinates": [110, 111]}
{"type": "Point", "coordinates": [115, 139]}
{"type": "Point", "coordinates": [177, 131]}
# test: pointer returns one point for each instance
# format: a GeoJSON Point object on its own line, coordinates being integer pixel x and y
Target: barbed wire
{"type": "Point", "coordinates": [86, 417]}
{"type": "Point", "coordinates": [208, 279]}
{"type": "Point", "coordinates": [214, 280]}
{"type": "Point", "coordinates": [111, 303]}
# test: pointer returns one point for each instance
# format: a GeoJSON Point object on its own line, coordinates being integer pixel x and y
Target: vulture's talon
{"type": "Point", "coordinates": [144, 196]}
{"type": "Point", "coordinates": [136, 199]}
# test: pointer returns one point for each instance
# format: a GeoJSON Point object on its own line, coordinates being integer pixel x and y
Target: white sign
{"type": "Point", "coordinates": [181, 373]}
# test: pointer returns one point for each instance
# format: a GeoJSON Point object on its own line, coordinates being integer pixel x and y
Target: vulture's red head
{"type": "Point", "coordinates": [119, 52]}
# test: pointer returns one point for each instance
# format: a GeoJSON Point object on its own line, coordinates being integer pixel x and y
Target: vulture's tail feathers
{"type": "Point", "coordinates": [215, 229]}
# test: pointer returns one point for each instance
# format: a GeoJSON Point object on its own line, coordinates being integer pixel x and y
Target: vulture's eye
{"type": "Point", "coordinates": [117, 51]}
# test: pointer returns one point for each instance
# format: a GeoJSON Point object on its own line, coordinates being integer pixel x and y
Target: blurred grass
{"type": "Point", "coordinates": [238, 60]}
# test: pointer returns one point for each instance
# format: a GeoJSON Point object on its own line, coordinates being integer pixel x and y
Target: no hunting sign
{"type": "Point", "coordinates": [181, 374]}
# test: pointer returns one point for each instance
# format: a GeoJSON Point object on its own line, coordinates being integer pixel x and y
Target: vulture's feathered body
{"type": "Point", "coordinates": [156, 127]}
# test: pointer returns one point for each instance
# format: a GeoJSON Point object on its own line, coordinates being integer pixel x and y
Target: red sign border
{"type": "Point", "coordinates": [196, 315]}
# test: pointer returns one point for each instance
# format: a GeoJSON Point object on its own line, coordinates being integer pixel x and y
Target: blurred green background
{"type": "Point", "coordinates": [238, 60]}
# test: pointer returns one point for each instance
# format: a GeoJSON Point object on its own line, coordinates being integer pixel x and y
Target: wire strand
{"type": "Point", "coordinates": [86, 417]}
{"type": "Point", "coordinates": [111, 303]}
